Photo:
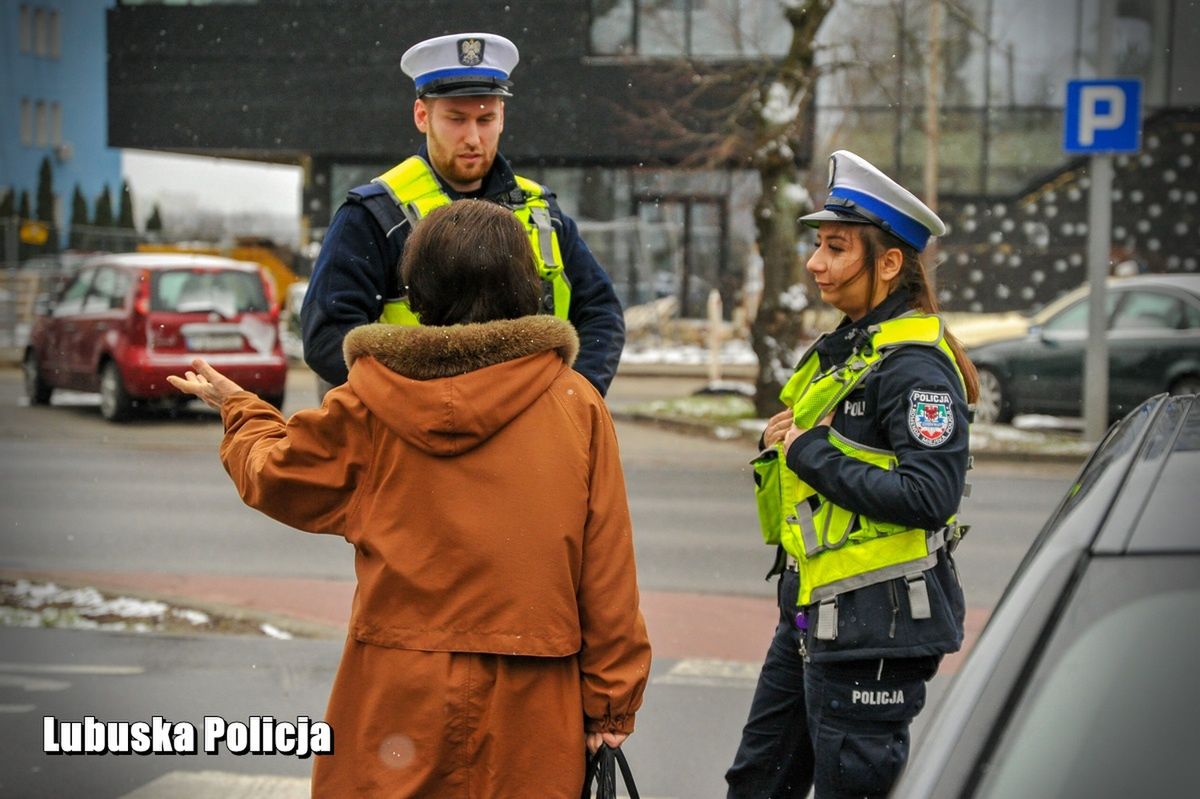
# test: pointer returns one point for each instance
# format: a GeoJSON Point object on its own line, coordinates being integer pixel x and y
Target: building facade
{"type": "Point", "coordinates": [54, 94]}
{"type": "Point", "coordinates": [601, 115]}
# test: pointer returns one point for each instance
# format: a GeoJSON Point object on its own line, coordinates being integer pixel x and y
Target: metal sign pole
{"type": "Point", "coordinates": [1095, 364]}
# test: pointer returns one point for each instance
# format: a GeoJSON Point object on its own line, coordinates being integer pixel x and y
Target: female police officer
{"type": "Point", "coordinates": [859, 485]}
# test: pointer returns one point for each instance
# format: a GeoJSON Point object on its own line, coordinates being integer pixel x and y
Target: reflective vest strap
{"type": "Point", "coordinates": [907, 329]}
{"type": "Point", "coordinates": [546, 244]}
{"type": "Point", "coordinates": [416, 191]}
{"type": "Point", "coordinates": [413, 187]}
{"type": "Point", "coordinates": [883, 458]}
{"type": "Point", "coordinates": [821, 586]}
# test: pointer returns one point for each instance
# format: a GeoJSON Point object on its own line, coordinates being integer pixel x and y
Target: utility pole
{"type": "Point", "coordinates": [932, 99]}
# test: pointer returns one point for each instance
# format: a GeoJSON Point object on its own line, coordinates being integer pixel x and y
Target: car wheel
{"type": "Point", "coordinates": [274, 399]}
{"type": "Point", "coordinates": [1188, 384]}
{"type": "Point", "coordinates": [992, 406]}
{"type": "Point", "coordinates": [115, 403]}
{"type": "Point", "coordinates": [37, 389]}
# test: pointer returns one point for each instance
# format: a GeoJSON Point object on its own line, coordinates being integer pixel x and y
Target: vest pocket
{"type": "Point", "coordinates": [768, 495]}
{"type": "Point", "coordinates": [782, 500]}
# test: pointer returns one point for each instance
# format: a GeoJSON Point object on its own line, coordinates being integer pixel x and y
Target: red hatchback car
{"type": "Point", "coordinates": [125, 322]}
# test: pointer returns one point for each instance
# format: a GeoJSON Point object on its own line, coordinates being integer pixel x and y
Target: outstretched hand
{"type": "Point", "coordinates": [206, 383]}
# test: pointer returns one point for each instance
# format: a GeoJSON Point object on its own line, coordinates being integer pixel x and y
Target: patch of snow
{"type": "Point", "coordinates": [191, 616]}
{"type": "Point", "coordinates": [780, 108]}
{"type": "Point", "coordinates": [797, 195]}
{"type": "Point", "coordinates": [731, 353]}
{"type": "Point", "coordinates": [730, 387]}
{"type": "Point", "coordinates": [274, 632]}
{"type": "Point", "coordinates": [795, 298]}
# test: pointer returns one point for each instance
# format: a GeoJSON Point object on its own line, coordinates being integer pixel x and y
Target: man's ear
{"type": "Point", "coordinates": [889, 264]}
{"type": "Point", "coordinates": [421, 115]}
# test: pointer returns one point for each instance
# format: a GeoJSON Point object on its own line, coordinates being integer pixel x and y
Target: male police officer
{"type": "Point", "coordinates": [461, 82]}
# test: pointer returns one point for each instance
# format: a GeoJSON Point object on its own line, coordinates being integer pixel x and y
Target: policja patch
{"type": "Point", "coordinates": [930, 417]}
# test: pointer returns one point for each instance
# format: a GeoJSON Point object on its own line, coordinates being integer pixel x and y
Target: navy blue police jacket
{"type": "Point", "coordinates": [923, 491]}
{"type": "Point", "coordinates": [357, 271]}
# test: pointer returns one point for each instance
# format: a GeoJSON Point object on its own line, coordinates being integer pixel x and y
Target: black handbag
{"type": "Point", "coordinates": [602, 769]}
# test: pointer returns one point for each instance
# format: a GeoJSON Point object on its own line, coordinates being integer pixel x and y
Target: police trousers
{"type": "Point", "coordinates": [841, 727]}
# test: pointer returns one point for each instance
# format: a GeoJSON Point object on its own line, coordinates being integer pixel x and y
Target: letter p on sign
{"type": "Point", "coordinates": [1103, 116]}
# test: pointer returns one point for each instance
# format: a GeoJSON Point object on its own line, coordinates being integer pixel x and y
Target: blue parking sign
{"type": "Point", "coordinates": [1103, 116]}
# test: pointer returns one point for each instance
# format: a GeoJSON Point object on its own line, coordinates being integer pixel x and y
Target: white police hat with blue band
{"type": "Point", "coordinates": [461, 64]}
{"type": "Point", "coordinates": [860, 193]}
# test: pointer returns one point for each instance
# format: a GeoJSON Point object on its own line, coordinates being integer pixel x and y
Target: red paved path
{"type": "Point", "coordinates": [681, 625]}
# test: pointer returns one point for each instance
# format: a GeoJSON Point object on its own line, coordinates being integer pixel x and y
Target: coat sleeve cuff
{"type": "Point", "coordinates": [798, 454]}
{"type": "Point", "coordinates": [617, 724]}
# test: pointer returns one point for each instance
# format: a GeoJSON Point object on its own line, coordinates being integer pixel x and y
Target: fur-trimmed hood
{"type": "Point", "coordinates": [448, 389]}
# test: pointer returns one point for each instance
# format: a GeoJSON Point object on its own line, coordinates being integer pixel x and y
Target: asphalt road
{"type": "Point", "coordinates": [77, 493]}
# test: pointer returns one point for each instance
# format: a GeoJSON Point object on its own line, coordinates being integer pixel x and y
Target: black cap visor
{"type": "Point", "coordinates": [828, 215]}
{"type": "Point", "coordinates": [467, 87]}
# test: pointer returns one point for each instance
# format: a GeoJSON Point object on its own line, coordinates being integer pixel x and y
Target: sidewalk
{"type": "Point", "coordinates": [676, 401]}
{"type": "Point", "coordinates": [683, 626]}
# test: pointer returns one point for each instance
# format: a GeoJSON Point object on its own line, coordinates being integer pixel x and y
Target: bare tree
{"type": "Point", "coordinates": [776, 328]}
{"type": "Point", "coordinates": [752, 114]}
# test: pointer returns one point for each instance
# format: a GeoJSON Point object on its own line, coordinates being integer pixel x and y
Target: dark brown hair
{"type": "Point", "coordinates": [470, 261]}
{"type": "Point", "coordinates": [912, 279]}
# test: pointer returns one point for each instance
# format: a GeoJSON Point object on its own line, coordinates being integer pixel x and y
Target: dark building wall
{"type": "Point", "coordinates": [285, 78]}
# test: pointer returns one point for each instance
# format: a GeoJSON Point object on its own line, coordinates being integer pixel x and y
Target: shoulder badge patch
{"type": "Point", "coordinates": [930, 417]}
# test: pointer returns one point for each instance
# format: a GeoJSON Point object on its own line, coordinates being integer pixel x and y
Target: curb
{"type": "Point", "coordinates": [299, 628]}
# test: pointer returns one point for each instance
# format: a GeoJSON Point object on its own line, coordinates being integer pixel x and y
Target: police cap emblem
{"type": "Point", "coordinates": [470, 52]}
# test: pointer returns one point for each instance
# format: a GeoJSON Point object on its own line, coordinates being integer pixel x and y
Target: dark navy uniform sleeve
{"type": "Point", "coordinates": [920, 413]}
{"type": "Point", "coordinates": [347, 288]}
{"type": "Point", "coordinates": [595, 310]}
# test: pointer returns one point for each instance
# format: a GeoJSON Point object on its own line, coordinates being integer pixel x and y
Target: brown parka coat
{"type": "Point", "coordinates": [496, 614]}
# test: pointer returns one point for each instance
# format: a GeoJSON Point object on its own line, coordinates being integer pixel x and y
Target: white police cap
{"type": "Point", "coordinates": [461, 64]}
{"type": "Point", "coordinates": [860, 193]}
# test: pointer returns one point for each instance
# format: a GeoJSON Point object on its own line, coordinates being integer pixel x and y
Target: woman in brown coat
{"type": "Point", "coordinates": [495, 628]}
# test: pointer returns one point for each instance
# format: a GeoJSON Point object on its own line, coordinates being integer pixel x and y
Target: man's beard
{"type": "Point", "coordinates": [455, 172]}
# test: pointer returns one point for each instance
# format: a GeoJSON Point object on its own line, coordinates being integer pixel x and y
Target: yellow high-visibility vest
{"type": "Point", "coordinates": [830, 558]}
{"type": "Point", "coordinates": [416, 191]}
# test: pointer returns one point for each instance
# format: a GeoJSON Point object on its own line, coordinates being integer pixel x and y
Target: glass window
{"type": "Point", "coordinates": [107, 290]}
{"type": "Point", "coordinates": [55, 36]}
{"type": "Point", "coordinates": [1144, 310]}
{"type": "Point", "coordinates": [662, 27]}
{"type": "Point", "coordinates": [72, 298]}
{"type": "Point", "coordinates": [1168, 520]}
{"type": "Point", "coordinates": [698, 28]}
{"type": "Point", "coordinates": [1075, 318]}
{"type": "Point", "coordinates": [732, 28]}
{"type": "Point", "coordinates": [55, 124]}
{"type": "Point", "coordinates": [41, 126]}
{"type": "Point", "coordinates": [26, 122]}
{"type": "Point", "coordinates": [40, 42]}
{"type": "Point", "coordinates": [25, 35]}
{"type": "Point", "coordinates": [226, 292]}
{"type": "Point", "coordinates": [1109, 708]}
{"type": "Point", "coordinates": [1191, 316]}
{"type": "Point", "coordinates": [612, 27]}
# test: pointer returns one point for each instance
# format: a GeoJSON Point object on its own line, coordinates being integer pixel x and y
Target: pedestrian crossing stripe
{"type": "Point", "coordinates": [223, 785]}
